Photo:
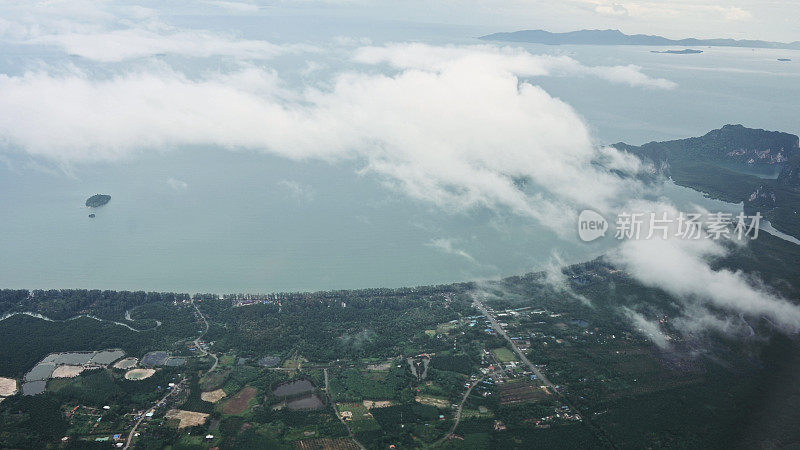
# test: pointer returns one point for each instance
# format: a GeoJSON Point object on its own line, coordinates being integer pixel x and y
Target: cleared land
{"type": "Point", "coordinates": [522, 392]}
{"type": "Point", "coordinates": [213, 396]}
{"type": "Point", "coordinates": [67, 371]}
{"type": "Point", "coordinates": [380, 367]}
{"type": "Point", "coordinates": [240, 402]}
{"type": "Point", "coordinates": [126, 363]}
{"type": "Point", "coordinates": [433, 401]}
{"type": "Point", "coordinates": [8, 386]}
{"type": "Point", "coordinates": [187, 418]}
{"type": "Point", "coordinates": [139, 374]}
{"type": "Point", "coordinates": [369, 404]}
{"type": "Point", "coordinates": [327, 444]}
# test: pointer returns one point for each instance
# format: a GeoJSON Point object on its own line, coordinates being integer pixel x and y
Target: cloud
{"type": "Point", "coordinates": [234, 6]}
{"type": "Point", "coordinates": [446, 246]}
{"type": "Point", "coordinates": [110, 33]}
{"type": "Point", "coordinates": [557, 280]}
{"type": "Point", "coordinates": [456, 127]}
{"type": "Point", "coordinates": [667, 9]}
{"type": "Point", "coordinates": [177, 185]}
{"type": "Point", "coordinates": [510, 59]}
{"type": "Point", "coordinates": [156, 39]}
{"type": "Point", "coordinates": [650, 329]}
{"type": "Point", "coordinates": [488, 129]}
{"type": "Point", "coordinates": [298, 191]}
{"type": "Point", "coordinates": [681, 268]}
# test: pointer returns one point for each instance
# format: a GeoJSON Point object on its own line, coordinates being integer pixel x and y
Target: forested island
{"type": "Point", "coordinates": [97, 200]}
{"type": "Point", "coordinates": [616, 37]}
{"type": "Point", "coordinates": [686, 51]}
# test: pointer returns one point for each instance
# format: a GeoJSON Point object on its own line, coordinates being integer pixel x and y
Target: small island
{"type": "Point", "coordinates": [784, 59]}
{"type": "Point", "coordinates": [97, 200]}
{"type": "Point", "coordinates": [687, 51]}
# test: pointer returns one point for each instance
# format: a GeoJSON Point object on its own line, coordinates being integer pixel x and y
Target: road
{"type": "Point", "coordinates": [336, 411]}
{"type": "Point", "coordinates": [152, 409]}
{"type": "Point", "coordinates": [499, 329]}
{"type": "Point", "coordinates": [203, 353]}
{"type": "Point", "coordinates": [458, 412]}
{"type": "Point", "coordinates": [197, 341]}
{"type": "Point", "coordinates": [600, 434]}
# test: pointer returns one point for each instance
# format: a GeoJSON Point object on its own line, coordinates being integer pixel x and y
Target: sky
{"type": "Point", "coordinates": [458, 127]}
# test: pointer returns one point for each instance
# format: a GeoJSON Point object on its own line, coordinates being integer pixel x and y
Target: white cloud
{"type": "Point", "coordinates": [447, 246]}
{"type": "Point", "coordinates": [452, 126]}
{"type": "Point", "coordinates": [681, 268]}
{"type": "Point", "coordinates": [557, 280]}
{"type": "Point", "coordinates": [456, 134]}
{"type": "Point", "coordinates": [234, 6]}
{"type": "Point", "coordinates": [671, 9]}
{"type": "Point", "coordinates": [119, 45]}
{"type": "Point", "coordinates": [177, 185]}
{"type": "Point", "coordinates": [510, 59]}
{"type": "Point", "coordinates": [298, 191]}
{"type": "Point", "coordinates": [650, 329]}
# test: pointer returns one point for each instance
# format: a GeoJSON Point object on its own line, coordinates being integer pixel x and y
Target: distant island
{"type": "Point", "coordinates": [616, 37]}
{"type": "Point", "coordinates": [784, 59]}
{"type": "Point", "coordinates": [687, 51]}
{"type": "Point", "coordinates": [97, 200]}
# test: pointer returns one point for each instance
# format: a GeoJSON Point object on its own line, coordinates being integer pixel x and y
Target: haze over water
{"type": "Point", "coordinates": [214, 220]}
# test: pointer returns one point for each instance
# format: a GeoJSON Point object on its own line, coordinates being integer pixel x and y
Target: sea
{"type": "Point", "coordinates": [214, 220]}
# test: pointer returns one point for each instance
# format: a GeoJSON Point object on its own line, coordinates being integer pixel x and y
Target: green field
{"type": "Point", "coordinates": [504, 355]}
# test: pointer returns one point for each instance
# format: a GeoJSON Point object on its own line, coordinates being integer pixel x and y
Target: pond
{"type": "Point", "coordinates": [293, 388]}
{"type": "Point", "coordinates": [107, 356]}
{"type": "Point", "coordinates": [72, 358]}
{"type": "Point", "coordinates": [308, 402]}
{"type": "Point", "coordinates": [176, 362]}
{"type": "Point", "coordinates": [41, 371]}
{"type": "Point", "coordinates": [157, 358]}
{"type": "Point", "coordinates": [33, 387]}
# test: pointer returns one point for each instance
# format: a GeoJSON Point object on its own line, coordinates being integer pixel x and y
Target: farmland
{"type": "Point", "coordinates": [608, 376]}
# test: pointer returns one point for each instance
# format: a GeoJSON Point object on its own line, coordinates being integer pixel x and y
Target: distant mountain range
{"type": "Point", "coordinates": [616, 37]}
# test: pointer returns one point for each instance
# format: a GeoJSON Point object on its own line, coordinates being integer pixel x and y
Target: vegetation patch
{"type": "Point", "coordinates": [504, 355]}
{"type": "Point", "coordinates": [214, 380]}
{"type": "Point", "coordinates": [454, 363]}
{"type": "Point", "coordinates": [240, 402]}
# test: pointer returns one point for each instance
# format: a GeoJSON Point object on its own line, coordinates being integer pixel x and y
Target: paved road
{"type": "Point", "coordinates": [458, 412]}
{"type": "Point", "coordinates": [601, 435]}
{"type": "Point", "coordinates": [152, 409]}
{"type": "Point", "coordinates": [336, 411]}
{"type": "Point", "coordinates": [499, 329]}
{"type": "Point", "coordinates": [197, 341]}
